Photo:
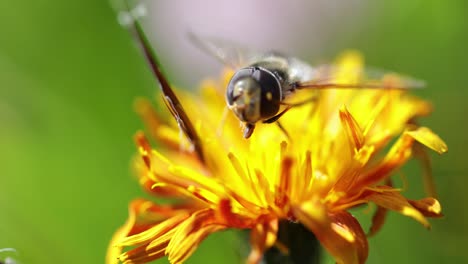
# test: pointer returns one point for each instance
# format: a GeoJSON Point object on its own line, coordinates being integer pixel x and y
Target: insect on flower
{"type": "Point", "coordinates": [340, 155]}
{"type": "Point", "coordinates": [263, 81]}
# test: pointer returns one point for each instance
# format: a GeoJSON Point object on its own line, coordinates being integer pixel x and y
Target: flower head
{"type": "Point", "coordinates": [335, 155]}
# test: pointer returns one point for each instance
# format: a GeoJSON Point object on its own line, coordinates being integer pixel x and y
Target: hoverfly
{"type": "Point", "coordinates": [264, 80]}
{"type": "Point", "coordinates": [259, 87]}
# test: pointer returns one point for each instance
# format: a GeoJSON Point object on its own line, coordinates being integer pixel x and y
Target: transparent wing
{"type": "Point", "coordinates": [229, 53]}
{"type": "Point", "coordinates": [334, 76]}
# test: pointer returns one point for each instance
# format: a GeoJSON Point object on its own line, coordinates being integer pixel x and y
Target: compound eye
{"type": "Point", "coordinates": [271, 94]}
{"type": "Point", "coordinates": [243, 96]}
{"type": "Point", "coordinates": [254, 94]}
{"type": "Point", "coordinates": [239, 85]}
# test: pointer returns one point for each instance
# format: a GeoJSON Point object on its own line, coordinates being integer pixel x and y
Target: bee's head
{"type": "Point", "coordinates": [253, 94]}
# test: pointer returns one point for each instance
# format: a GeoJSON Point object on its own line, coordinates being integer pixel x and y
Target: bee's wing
{"type": "Point", "coordinates": [229, 53]}
{"type": "Point", "coordinates": [334, 76]}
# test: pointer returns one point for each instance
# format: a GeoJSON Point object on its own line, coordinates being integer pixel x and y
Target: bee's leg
{"type": "Point", "coordinates": [309, 100]}
{"type": "Point", "coordinates": [281, 127]}
{"type": "Point", "coordinates": [276, 117]}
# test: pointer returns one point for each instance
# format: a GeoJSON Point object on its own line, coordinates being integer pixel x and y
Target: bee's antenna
{"type": "Point", "coordinates": [130, 19]}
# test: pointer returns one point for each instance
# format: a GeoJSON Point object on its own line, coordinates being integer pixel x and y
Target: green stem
{"type": "Point", "coordinates": [303, 247]}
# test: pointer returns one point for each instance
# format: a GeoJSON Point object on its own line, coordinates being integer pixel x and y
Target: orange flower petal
{"type": "Point", "coordinates": [353, 131]}
{"type": "Point", "coordinates": [131, 226]}
{"type": "Point", "coordinates": [147, 252]}
{"type": "Point", "coordinates": [149, 116]}
{"type": "Point", "coordinates": [113, 251]}
{"type": "Point", "coordinates": [154, 232]}
{"type": "Point", "coordinates": [195, 221]}
{"type": "Point", "coordinates": [190, 233]}
{"type": "Point", "coordinates": [397, 156]}
{"type": "Point", "coordinates": [226, 216]}
{"type": "Point", "coordinates": [262, 237]}
{"type": "Point", "coordinates": [378, 220]}
{"type": "Point", "coordinates": [353, 229]}
{"type": "Point", "coordinates": [191, 242]}
{"type": "Point", "coordinates": [144, 148]}
{"type": "Point", "coordinates": [429, 207]}
{"type": "Point", "coordinates": [345, 183]}
{"type": "Point", "coordinates": [339, 233]}
{"type": "Point", "coordinates": [393, 200]}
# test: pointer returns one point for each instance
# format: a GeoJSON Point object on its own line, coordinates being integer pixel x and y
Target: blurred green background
{"type": "Point", "coordinates": [69, 74]}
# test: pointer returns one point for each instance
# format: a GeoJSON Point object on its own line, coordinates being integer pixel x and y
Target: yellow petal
{"type": "Point", "coordinates": [353, 131]}
{"type": "Point", "coordinates": [399, 153]}
{"type": "Point", "coordinates": [359, 241]}
{"type": "Point", "coordinates": [429, 139]}
{"type": "Point", "coordinates": [190, 233]}
{"type": "Point", "coordinates": [429, 207]}
{"type": "Point", "coordinates": [154, 232]}
{"type": "Point", "coordinates": [339, 233]}
{"type": "Point", "coordinates": [114, 251]}
{"type": "Point", "coordinates": [350, 65]}
{"type": "Point", "coordinates": [149, 116]}
{"type": "Point", "coordinates": [347, 180]}
{"type": "Point", "coordinates": [191, 243]}
{"type": "Point", "coordinates": [393, 200]}
{"type": "Point", "coordinates": [145, 253]}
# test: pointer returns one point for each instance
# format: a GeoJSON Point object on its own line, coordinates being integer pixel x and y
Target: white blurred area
{"type": "Point", "coordinates": [300, 28]}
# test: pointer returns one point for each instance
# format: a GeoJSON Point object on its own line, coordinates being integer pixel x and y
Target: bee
{"type": "Point", "coordinates": [262, 81]}
{"type": "Point", "coordinates": [260, 86]}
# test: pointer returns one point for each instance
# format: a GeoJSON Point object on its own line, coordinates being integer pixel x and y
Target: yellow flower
{"type": "Point", "coordinates": [334, 159]}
